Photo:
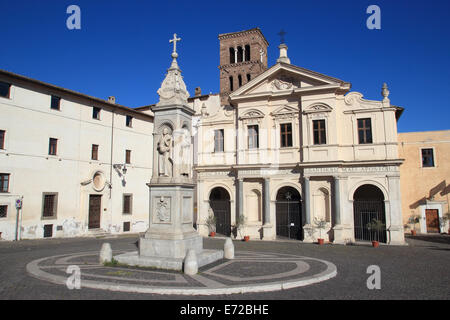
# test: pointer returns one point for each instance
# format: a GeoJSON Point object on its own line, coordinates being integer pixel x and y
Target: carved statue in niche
{"type": "Point", "coordinates": [164, 158]}
{"type": "Point", "coordinates": [185, 153]}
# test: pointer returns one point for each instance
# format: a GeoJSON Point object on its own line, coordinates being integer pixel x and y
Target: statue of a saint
{"type": "Point", "coordinates": [164, 158]}
{"type": "Point", "coordinates": [185, 154]}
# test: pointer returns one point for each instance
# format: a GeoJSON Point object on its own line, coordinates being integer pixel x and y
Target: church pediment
{"type": "Point", "coordinates": [317, 108]}
{"type": "Point", "coordinates": [252, 114]}
{"type": "Point", "coordinates": [285, 112]}
{"type": "Point", "coordinates": [286, 78]}
{"type": "Point", "coordinates": [355, 101]}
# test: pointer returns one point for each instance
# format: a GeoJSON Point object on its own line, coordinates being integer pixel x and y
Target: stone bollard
{"type": "Point", "coordinates": [190, 263]}
{"type": "Point", "coordinates": [228, 249]}
{"type": "Point", "coordinates": [105, 253]}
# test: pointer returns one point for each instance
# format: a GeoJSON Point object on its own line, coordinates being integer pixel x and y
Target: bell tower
{"type": "Point", "coordinates": [243, 56]}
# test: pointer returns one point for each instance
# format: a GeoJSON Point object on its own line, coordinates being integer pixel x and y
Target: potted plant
{"type": "Point", "coordinates": [320, 224]}
{"type": "Point", "coordinates": [240, 222]}
{"type": "Point", "coordinates": [414, 219]}
{"type": "Point", "coordinates": [377, 226]}
{"type": "Point", "coordinates": [211, 224]}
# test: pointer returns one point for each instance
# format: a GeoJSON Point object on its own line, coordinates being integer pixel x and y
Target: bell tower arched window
{"type": "Point", "coordinates": [240, 54]}
{"type": "Point", "coordinates": [232, 56]}
{"type": "Point", "coordinates": [231, 83]}
{"type": "Point", "coordinates": [240, 80]}
{"type": "Point", "coordinates": [247, 52]}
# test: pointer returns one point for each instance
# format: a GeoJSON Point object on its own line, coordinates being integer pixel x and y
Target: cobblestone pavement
{"type": "Point", "coordinates": [416, 271]}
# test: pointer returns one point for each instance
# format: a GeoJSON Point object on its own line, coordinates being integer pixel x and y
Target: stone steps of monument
{"type": "Point", "coordinates": [98, 233]}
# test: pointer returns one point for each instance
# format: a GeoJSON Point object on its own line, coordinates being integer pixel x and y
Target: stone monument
{"type": "Point", "coordinates": [171, 234]}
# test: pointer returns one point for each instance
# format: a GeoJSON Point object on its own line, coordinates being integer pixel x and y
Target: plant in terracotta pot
{"type": "Point", "coordinates": [414, 219]}
{"type": "Point", "coordinates": [320, 224]}
{"type": "Point", "coordinates": [377, 226]}
{"type": "Point", "coordinates": [211, 224]}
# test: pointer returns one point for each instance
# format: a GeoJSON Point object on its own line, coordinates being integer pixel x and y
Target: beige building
{"type": "Point", "coordinates": [294, 149]}
{"type": "Point", "coordinates": [78, 163]}
{"type": "Point", "coordinates": [425, 179]}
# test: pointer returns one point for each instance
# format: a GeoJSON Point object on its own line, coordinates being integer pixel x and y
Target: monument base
{"type": "Point", "coordinates": [171, 247]}
{"type": "Point", "coordinates": [134, 259]}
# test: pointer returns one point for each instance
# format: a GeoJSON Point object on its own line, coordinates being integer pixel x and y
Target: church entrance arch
{"type": "Point", "coordinates": [368, 205]}
{"type": "Point", "coordinates": [219, 201]}
{"type": "Point", "coordinates": [289, 214]}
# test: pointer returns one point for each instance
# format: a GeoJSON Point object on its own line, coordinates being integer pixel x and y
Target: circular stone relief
{"type": "Point", "coordinates": [98, 181]}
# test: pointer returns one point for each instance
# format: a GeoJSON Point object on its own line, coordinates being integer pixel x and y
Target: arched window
{"type": "Point", "coordinates": [232, 56]}
{"type": "Point", "coordinates": [231, 83]}
{"type": "Point", "coordinates": [240, 54]}
{"type": "Point", "coordinates": [247, 52]}
{"type": "Point", "coordinates": [240, 80]}
{"type": "Point", "coordinates": [248, 77]}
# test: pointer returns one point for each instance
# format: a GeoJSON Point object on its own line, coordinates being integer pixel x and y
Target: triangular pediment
{"type": "Point", "coordinates": [284, 110]}
{"type": "Point", "coordinates": [284, 77]}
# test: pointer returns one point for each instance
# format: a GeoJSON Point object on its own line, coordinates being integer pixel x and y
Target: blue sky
{"type": "Point", "coordinates": [122, 48]}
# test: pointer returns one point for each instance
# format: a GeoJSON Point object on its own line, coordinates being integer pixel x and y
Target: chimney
{"type": "Point", "coordinates": [283, 54]}
{"type": "Point", "coordinates": [198, 91]}
{"type": "Point", "coordinates": [112, 99]}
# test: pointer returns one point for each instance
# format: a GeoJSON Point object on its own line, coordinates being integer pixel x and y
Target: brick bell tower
{"type": "Point", "coordinates": [243, 56]}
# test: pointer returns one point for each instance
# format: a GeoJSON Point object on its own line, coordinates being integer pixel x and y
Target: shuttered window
{"type": "Point", "coordinates": [218, 140]}
{"type": "Point", "coordinates": [127, 203]}
{"type": "Point", "coordinates": [4, 182]}
{"type": "Point", "coordinates": [319, 132]}
{"type": "Point", "coordinates": [50, 202]}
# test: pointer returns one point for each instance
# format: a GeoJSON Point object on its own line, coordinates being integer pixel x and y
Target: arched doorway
{"type": "Point", "coordinates": [368, 205]}
{"type": "Point", "coordinates": [219, 201]}
{"type": "Point", "coordinates": [289, 214]}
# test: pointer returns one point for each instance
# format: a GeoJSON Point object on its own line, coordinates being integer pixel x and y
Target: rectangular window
{"type": "Point", "coordinates": [3, 211]}
{"type": "Point", "coordinates": [48, 230]}
{"type": "Point", "coordinates": [4, 89]}
{"type": "Point", "coordinates": [127, 203]}
{"type": "Point", "coordinates": [253, 139]}
{"type": "Point", "coordinates": [127, 156]}
{"type": "Point", "coordinates": [52, 146]}
{"type": "Point", "coordinates": [427, 158]}
{"type": "Point", "coordinates": [218, 140]}
{"type": "Point", "coordinates": [286, 135]}
{"type": "Point", "coordinates": [129, 121]}
{"type": "Point", "coordinates": [2, 139]}
{"type": "Point", "coordinates": [55, 103]}
{"type": "Point", "coordinates": [4, 182]}
{"type": "Point", "coordinates": [126, 226]}
{"type": "Point", "coordinates": [94, 153]}
{"type": "Point", "coordinates": [96, 113]}
{"type": "Point", "coordinates": [364, 131]}
{"type": "Point", "coordinates": [319, 132]}
{"type": "Point", "coordinates": [50, 203]}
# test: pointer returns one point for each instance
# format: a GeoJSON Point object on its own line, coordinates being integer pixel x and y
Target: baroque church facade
{"type": "Point", "coordinates": [280, 152]}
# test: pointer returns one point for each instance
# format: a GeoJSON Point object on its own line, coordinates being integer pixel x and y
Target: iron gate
{"type": "Point", "coordinates": [288, 215]}
{"type": "Point", "coordinates": [364, 212]}
{"type": "Point", "coordinates": [221, 209]}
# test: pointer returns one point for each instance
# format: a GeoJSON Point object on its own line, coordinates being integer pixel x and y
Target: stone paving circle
{"type": "Point", "coordinates": [248, 272]}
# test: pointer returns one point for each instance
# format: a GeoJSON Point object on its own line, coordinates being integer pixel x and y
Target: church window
{"type": "Point", "coordinates": [3, 211]}
{"type": "Point", "coordinates": [4, 182]}
{"type": "Point", "coordinates": [128, 121]}
{"type": "Point", "coordinates": [240, 80]}
{"type": "Point", "coordinates": [231, 83]}
{"type": "Point", "coordinates": [427, 158]}
{"type": "Point", "coordinates": [96, 113]}
{"type": "Point", "coordinates": [364, 131]}
{"type": "Point", "coordinates": [2, 139]}
{"type": "Point", "coordinates": [4, 89]}
{"type": "Point", "coordinates": [55, 103]}
{"type": "Point", "coordinates": [248, 77]}
{"type": "Point", "coordinates": [240, 54]}
{"type": "Point", "coordinates": [253, 139]}
{"type": "Point", "coordinates": [232, 56]}
{"type": "Point", "coordinates": [319, 132]}
{"type": "Point", "coordinates": [218, 140]}
{"type": "Point", "coordinates": [52, 146]}
{"type": "Point", "coordinates": [286, 135]}
{"type": "Point", "coordinates": [127, 156]}
{"type": "Point", "coordinates": [247, 52]}
{"type": "Point", "coordinates": [94, 153]}
{"type": "Point", "coordinates": [127, 201]}
{"type": "Point", "coordinates": [50, 204]}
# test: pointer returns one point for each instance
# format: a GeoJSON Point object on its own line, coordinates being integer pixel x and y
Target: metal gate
{"type": "Point", "coordinates": [364, 212]}
{"type": "Point", "coordinates": [288, 215]}
{"type": "Point", "coordinates": [221, 209]}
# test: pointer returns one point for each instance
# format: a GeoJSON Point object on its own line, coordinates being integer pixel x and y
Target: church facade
{"type": "Point", "coordinates": [294, 152]}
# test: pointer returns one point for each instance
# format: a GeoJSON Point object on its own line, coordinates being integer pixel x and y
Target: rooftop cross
{"type": "Point", "coordinates": [175, 40]}
{"type": "Point", "coordinates": [282, 33]}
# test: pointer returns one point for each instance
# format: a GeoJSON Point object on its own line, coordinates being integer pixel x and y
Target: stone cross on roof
{"type": "Point", "coordinates": [175, 40]}
{"type": "Point", "coordinates": [282, 33]}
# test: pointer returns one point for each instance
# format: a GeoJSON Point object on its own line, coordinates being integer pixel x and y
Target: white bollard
{"type": "Point", "coordinates": [228, 249]}
{"type": "Point", "coordinates": [105, 253]}
{"type": "Point", "coordinates": [190, 263]}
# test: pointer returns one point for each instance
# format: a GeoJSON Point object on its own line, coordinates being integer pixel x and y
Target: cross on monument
{"type": "Point", "coordinates": [175, 40]}
{"type": "Point", "coordinates": [282, 33]}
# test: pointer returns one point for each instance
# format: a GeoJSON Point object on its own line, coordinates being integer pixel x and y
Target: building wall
{"type": "Point", "coordinates": [29, 122]}
{"type": "Point", "coordinates": [424, 187]}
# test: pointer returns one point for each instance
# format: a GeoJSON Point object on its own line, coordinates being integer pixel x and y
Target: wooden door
{"type": "Point", "coordinates": [432, 217]}
{"type": "Point", "coordinates": [95, 202]}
